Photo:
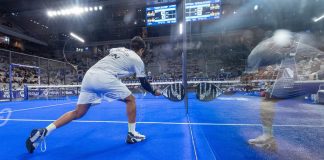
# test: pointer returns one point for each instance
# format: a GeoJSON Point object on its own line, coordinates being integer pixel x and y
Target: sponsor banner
{"type": "Point", "coordinates": [39, 93]}
{"type": "Point", "coordinates": [52, 92]}
{"type": "Point", "coordinates": [15, 94]}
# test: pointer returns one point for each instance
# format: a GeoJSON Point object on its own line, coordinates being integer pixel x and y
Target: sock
{"type": "Point", "coordinates": [267, 130]}
{"type": "Point", "coordinates": [131, 127]}
{"type": "Point", "coordinates": [50, 128]}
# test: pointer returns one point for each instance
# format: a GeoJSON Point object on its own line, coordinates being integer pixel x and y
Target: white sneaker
{"type": "Point", "coordinates": [134, 137]}
{"type": "Point", "coordinates": [264, 138]}
{"type": "Point", "coordinates": [37, 136]}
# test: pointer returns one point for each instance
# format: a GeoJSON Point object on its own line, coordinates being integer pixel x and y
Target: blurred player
{"type": "Point", "coordinates": [267, 112]}
{"type": "Point", "coordinates": [102, 80]}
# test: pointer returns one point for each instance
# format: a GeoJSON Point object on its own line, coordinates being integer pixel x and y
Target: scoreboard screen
{"type": "Point", "coordinates": [158, 2]}
{"type": "Point", "coordinates": [199, 10]}
{"type": "Point", "coordinates": [161, 15]}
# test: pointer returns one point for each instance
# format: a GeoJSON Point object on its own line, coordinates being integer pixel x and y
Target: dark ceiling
{"type": "Point", "coordinates": [31, 15]}
{"type": "Point", "coordinates": [34, 5]}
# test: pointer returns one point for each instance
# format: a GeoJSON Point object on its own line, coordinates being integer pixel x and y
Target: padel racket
{"type": "Point", "coordinates": [207, 91]}
{"type": "Point", "coordinates": [174, 92]}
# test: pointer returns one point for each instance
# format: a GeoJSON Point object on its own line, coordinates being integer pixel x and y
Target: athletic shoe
{"type": "Point", "coordinates": [270, 145]}
{"type": "Point", "coordinates": [265, 142]}
{"type": "Point", "coordinates": [134, 137]}
{"type": "Point", "coordinates": [36, 136]}
{"type": "Point", "coordinates": [264, 138]}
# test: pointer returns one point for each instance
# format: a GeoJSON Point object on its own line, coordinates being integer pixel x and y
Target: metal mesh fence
{"type": "Point", "coordinates": [52, 72]}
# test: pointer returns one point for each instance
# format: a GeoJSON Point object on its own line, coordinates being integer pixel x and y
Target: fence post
{"type": "Point", "coordinates": [10, 82]}
{"type": "Point", "coordinates": [48, 73]}
{"type": "Point", "coordinates": [38, 74]}
{"type": "Point", "coordinates": [10, 59]}
{"type": "Point", "coordinates": [25, 92]}
{"type": "Point", "coordinates": [64, 73]}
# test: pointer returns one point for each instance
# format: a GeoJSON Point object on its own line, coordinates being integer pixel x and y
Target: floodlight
{"type": "Point", "coordinates": [318, 19]}
{"type": "Point", "coordinates": [256, 7]}
{"type": "Point", "coordinates": [77, 37]}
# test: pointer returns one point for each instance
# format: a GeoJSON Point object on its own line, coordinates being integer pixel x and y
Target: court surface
{"type": "Point", "coordinates": [218, 129]}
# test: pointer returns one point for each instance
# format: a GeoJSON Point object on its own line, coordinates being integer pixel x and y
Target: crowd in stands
{"type": "Point", "coordinates": [20, 76]}
{"type": "Point", "coordinates": [207, 59]}
{"type": "Point", "coordinates": [51, 73]}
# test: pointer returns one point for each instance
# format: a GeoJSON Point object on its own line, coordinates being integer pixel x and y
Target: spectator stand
{"type": "Point", "coordinates": [12, 75]}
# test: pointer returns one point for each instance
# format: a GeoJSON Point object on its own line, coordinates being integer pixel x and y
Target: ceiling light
{"type": "Point", "coordinates": [54, 13]}
{"type": "Point", "coordinates": [49, 13]}
{"type": "Point", "coordinates": [76, 10]}
{"type": "Point", "coordinates": [318, 19]}
{"type": "Point", "coordinates": [180, 28]}
{"type": "Point", "coordinates": [64, 12]}
{"type": "Point", "coordinates": [256, 7]}
{"type": "Point", "coordinates": [77, 37]}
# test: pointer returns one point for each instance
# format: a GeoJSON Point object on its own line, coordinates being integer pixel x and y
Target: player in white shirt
{"type": "Point", "coordinates": [102, 81]}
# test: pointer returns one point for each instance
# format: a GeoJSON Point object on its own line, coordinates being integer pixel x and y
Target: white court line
{"type": "Point", "coordinates": [192, 138]}
{"type": "Point", "coordinates": [26, 109]}
{"type": "Point", "coordinates": [170, 123]}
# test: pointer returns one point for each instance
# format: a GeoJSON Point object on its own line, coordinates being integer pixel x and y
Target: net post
{"type": "Point", "coordinates": [184, 78]}
{"type": "Point", "coordinates": [184, 52]}
{"type": "Point", "coordinates": [25, 92]}
{"type": "Point", "coordinates": [48, 73]}
{"type": "Point", "coordinates": [38, 75]}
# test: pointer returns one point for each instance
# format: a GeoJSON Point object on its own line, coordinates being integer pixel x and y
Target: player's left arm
{"type": "Point", "coordinates": [140, 74]}
{"type": "Point", "coordinates": [147, 86]}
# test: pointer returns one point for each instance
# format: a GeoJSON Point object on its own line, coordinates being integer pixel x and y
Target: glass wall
{"type": "Point", "coordinates": [265, 58]}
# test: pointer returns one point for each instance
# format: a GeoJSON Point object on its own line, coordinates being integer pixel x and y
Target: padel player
{"type": "Point", "coordinates": [100, 81]}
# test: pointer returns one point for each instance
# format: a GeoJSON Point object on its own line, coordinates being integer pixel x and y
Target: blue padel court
{"type": "Point", "coordinates": [219, 129]}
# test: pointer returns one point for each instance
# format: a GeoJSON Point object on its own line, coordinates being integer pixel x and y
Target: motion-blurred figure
{"type": "Point", "coordinates": [292, 56]}
{"type": "Point", "coordinates": [267, 113]}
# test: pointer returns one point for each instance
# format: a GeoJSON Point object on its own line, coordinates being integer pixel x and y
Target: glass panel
{"type": "Point", "coordinates": [256, 90]}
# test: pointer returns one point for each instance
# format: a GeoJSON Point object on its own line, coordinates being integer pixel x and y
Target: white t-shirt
{"type": "Point", "coordinates": [121, 62]}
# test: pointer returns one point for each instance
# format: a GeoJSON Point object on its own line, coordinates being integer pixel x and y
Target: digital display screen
{"type": "Point", "coordinates": [155, 2]}
{"type": "Point", "coordinates": [161, 15]}
{"type": "Point", "coordinates": [198, 10]}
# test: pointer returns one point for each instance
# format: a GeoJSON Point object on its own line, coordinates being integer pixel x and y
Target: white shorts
{"type": "Point", "coordinates": [97, 86]}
